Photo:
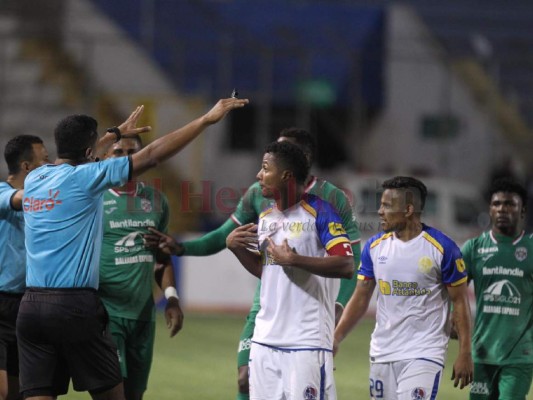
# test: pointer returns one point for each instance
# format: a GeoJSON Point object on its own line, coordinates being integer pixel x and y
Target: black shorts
{"type": "Point", "coordinates": [9, 308]}
{"type": "Point", "coordinates": [63, 334]}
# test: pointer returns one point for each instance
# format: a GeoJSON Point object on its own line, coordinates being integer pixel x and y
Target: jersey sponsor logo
{"type": "Point", "coordinates": [485, 250]}
{"type": "Point", "coordinates": [110, 210]}
{"type": "Point", "coordinates": [131, 223]}
{"type": "Point", "coordinates": [418, 394]}
{"type": "Point", "coordinates": [310, 393]}
{"type": "Point", "coordinates": [110, 202]}
{"type": "Point", "coordinates": [32, 204]}
{"type": "Point", "coordinates": [148, 258]}
{"type": "Point", "coordinates": [244, 344]}
{"type": "Point", "coordinates": [479, 388]}
{"type": "Point", "coordinates": [294, 227]}
{"type": "Point", "coordinates": [384, 287]}
{"type": "Point", "coordinates": [129, 239]}
{"type": "Point", "coordinates": [131, 244]}
{"type": "Point", "coordinates": [503, 294]}
{"type": "Point", "coordinates": [399, 288]}
{"type": "Point", "coordinates": [520, 253]}
{"type": "Point", "coordinates": [425, 264]}
{"type": "Point", "coordinates": [499, 270]}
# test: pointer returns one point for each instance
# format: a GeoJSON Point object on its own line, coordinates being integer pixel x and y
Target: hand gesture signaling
{"type": "Point", "coordinates": [129, 127]}
{"type": "Point", "coordinates": [160, 241]}
{"type": "Point", "coordinates": [222, 107]}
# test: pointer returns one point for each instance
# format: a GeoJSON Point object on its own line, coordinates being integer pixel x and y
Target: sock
{"type": "Point", "coordinates": [243, 396]}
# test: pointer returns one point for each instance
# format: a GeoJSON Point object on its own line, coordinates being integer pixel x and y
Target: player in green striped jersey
{"type": "Point", "coordinates": [127, 273]}
{"type": "Point", "coordinates": [500, 262]}
{"type": "Point", "coordinates": [248, 210]}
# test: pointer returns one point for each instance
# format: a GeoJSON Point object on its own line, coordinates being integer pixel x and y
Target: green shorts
{"type": "Point", "coordinates": [245, 341]}
{"type": "Point", "coordinates": [507, 382]}
{"type": "Point", "coordinates": [135, 343]}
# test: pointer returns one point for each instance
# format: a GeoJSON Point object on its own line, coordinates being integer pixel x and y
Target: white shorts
{"type": "Point", "coordinates": [290, 375]}
{"type": "Point", "coordinates": [416, 379]}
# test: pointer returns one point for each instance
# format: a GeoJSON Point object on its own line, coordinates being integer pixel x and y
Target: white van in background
{"type": "Point", "coordinates": [454, 207]}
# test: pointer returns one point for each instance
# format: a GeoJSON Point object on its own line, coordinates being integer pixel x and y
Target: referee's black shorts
{"type": "Point", "coordinates": [9, 308]}
{"type": "Point", "coordinates": [62, 334]}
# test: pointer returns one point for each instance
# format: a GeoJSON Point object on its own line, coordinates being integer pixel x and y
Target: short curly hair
{"type": "Point", "coordinates": [508, 185]}
{"type": "Point", "coordinates": [291, 157]}
{"type": "Point", "coordinates": [19, 149]}
{"type": "Point", "coordinates": [74, 135]}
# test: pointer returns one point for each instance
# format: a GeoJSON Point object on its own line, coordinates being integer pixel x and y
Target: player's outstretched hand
{"type": "Point", "coordinates": [222, 107]}
{"type": "Point", "coordinates": [157, 240]}
{"type": "Point", "coordinates": [243, 237]}
{"type": "Point", "coordinates": [463, 371]}
{"type": "Point", "coordinates": [129, 127]}
{"type": "Point", "coordinates": [173, 316]}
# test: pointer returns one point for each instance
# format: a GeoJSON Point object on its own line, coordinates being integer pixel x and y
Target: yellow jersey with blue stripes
{"type": "Point", "coordinates": [412, 301]}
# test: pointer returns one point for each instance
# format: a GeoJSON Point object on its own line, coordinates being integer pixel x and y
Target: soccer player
{"type": "Point", "coordinates": [127, 273]}
{"type": "Point", "coordinates": [417, 270]}
{"type": "Point", "coordinates": [248, 210]}
{"type": "Point", "coordinates": [501, 265]}
{"type": "Point", "coordinates": [302, 248]}
{"type": "Point", "coordinates": [23, 154]}
{"type": "Point", "coordinates": [62, 324]}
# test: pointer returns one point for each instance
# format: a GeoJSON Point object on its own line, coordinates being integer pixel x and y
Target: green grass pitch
{"type": "Point", "coordinates": [200, 362]}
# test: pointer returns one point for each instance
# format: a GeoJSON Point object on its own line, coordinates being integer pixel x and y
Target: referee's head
{"type": "Point", "coordinates": [75, 137]}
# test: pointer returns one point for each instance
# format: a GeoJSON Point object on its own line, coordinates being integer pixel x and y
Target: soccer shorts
{"type": "Point", "coordinates": [291, 374]}
{"type": "Point", "coordinates": [63, 334]}
{"type": "Point", "coordinates": [135, 343]}
{"type": "Point", "coordinates": [416, 379]}
{"type": "Point", "coordinates": [9, 308]}
{"type": "Point", "coordinates": [245, 340]}
{"type": "Point", "coordinates": [507, 382]}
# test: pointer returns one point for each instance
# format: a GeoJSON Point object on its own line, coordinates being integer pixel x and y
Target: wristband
{"type": "Point", "coordinates": [171, 292]}
{"type": "Point", "coordinates": [116, 131]}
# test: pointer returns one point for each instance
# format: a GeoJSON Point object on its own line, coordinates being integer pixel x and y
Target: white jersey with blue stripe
{"type": "Point", "coordinates": [412, 316]}
{"type": "Point", "coordinates": [63, 214]}
{"type": "Point", "coordinates": [12, 250]}
{"type": "Point", "coordinates": [298, 307]}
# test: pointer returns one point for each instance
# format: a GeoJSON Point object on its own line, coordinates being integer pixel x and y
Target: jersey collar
{"type": "Point", "coordinates": [128, 192]}
{"type": "Point", "coordinates": [311, 184]}
{"type": "Point", "coordinates": [496, 238]}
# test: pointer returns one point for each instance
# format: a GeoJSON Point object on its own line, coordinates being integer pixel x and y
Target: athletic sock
{"type": "Point", "coordinates": [243, 396]}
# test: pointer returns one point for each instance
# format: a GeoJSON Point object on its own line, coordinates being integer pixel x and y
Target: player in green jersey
{"type": "Point", "coordinates": [127, 273]}
{"type": "Point", "coordinates": [500, 262]}
{"type": "Point", "coordinates": [248, 210]}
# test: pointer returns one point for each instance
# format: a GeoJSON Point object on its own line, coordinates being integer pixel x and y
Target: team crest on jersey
{"type": "Point", "coordinates": [425, 264]}
{"type": "Point", "coordinates": [418, 394]}
{"type": "Point", "coordinates": [310, 393]}
{"type": "Point", "coordinates": [520, 253]}
{"type": "Point", "coordinates": [146, 205]}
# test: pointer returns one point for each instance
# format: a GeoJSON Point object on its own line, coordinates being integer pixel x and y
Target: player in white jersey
{"type": "Point", "coordinates": [302, 249]}
{"type": "Point", "coordinates": [417, 270]}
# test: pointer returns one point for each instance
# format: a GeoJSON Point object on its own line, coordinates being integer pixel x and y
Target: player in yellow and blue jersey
{"type": "Point", "coordinates": [418, 271]}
